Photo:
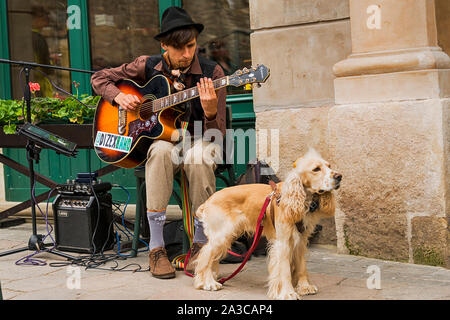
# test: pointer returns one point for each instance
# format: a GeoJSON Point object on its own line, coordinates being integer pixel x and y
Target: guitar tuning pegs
{"type": "Point", "coordinates": [257, 85]}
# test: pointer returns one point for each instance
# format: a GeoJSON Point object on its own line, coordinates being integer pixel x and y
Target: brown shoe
{"type": "Point", "coordinates": [195, 250]}
{"type": "Point", "coordinates": [160, 266]}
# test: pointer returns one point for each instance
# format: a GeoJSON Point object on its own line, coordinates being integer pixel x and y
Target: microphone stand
{"type": "Point", "coordinates": [37, 65]}
{"type": "Point", "coordinates": [36, 241]}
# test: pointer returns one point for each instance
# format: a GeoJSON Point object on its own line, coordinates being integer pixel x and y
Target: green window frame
{"type": "Point", "coordinates": [79, 44]}
{"type": "Point", "coordinates": [80, 49]}
{"type": "Point", "coordinates": [80, 58]}
{"type": "Point", "coordinates": [164, 4]}
{"type": "Point", "coordinates": [5, 74]}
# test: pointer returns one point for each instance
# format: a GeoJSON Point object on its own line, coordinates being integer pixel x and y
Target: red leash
{"type": "Point", "coordinates": [259, 229]}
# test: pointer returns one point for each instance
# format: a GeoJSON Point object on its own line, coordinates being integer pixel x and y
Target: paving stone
{"type": "Point", "coordinates": [337, 277]}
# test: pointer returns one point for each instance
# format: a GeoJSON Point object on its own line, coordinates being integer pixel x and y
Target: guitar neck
{"type": "Point", "coordinates": [185, 95]}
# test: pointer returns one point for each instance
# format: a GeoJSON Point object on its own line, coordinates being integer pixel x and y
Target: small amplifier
{"type": "Point", "coordinates": [81, 225]}
{"type": "Point", "coordinates": [83, 188]}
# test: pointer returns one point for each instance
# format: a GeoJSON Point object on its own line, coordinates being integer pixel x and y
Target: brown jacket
{"type": "Point", "coordinates": [103, 83]}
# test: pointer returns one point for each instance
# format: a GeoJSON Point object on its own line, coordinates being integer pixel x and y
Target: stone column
{"type": "Point", "coordinates": [299, 41]}
{"type": "Point", "coordinates": [389, 134]}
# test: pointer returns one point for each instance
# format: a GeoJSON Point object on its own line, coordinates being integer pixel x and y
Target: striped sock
{"type": "Point", "coordinates": [156, 222]}
{"type": "Point", "coordinates": [199, 236]}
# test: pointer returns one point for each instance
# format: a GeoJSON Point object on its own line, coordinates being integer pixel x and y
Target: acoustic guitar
{"type": "Point", "coordinates": [123, 137]}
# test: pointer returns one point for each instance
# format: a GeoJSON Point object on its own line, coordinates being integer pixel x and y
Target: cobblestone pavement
{"type": "Point", "coordinates": [337, 277]}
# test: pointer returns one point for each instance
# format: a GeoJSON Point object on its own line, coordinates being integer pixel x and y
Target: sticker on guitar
{"type": "Point", "coordinates": [113, 142]}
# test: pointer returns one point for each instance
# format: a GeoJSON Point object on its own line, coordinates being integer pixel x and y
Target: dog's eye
{"type": "Point", "coordinates": [316, 169]}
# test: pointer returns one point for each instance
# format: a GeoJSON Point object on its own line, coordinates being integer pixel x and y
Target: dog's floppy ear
{"type": "Point", "coordinates": [293, 197]}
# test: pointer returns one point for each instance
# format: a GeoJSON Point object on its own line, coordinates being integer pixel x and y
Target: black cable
{"type": "Point", "coordinates": [62, 90]}
{"type": "Point", "coordinates": [94, 260]}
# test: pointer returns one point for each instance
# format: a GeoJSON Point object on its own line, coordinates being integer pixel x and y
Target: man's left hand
{"type": "Point", "coordinates": [208, 97]}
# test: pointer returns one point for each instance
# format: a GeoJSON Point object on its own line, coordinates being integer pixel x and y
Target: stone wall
{"type": "Point", "coordinates": [393, 91]}
{"type": "Point", "coordinates": [443, 35]}
{"type": "Point", "coordinates": [394, 177]}
{"type": "Point", "coordinates": [443, 24]}
{"type": "Point", "coordinates": [299, 41]}
{"type": "Point", "coordinates": [371, 94]}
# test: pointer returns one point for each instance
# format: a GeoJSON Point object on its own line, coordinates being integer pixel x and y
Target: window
{"type": "Point", "coordinates": [38, 33]}
{"type": "Point", "coordinates": [123, 31]}
{"type": "Point", "coordinates": [226, 37]}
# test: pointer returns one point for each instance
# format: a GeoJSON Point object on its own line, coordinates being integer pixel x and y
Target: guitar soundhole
{"type": "Point", "coordinates": [146, 110]}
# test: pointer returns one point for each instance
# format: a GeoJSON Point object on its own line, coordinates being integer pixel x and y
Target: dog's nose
{"type": "Point", "coordinates": [337, 176]}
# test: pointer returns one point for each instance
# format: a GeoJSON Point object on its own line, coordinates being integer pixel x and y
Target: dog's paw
{"type": "Point", "coordinates": [288, 295]}
{"type": "Point", "coordinates": [306, 289]}
{"type": "Point", "coordinates": [212, 286]}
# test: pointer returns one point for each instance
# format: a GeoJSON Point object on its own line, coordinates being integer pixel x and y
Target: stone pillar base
{"type": "Point", "coordinates": [394, 157]}
{"type": "Point", "coordinates": [398, 86]}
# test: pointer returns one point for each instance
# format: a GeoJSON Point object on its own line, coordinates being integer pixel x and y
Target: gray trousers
{"type": "Point", "coordinates": [198, 159]}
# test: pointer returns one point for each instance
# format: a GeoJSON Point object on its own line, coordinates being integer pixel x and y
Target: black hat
{"type": "Point", "coordinates": [176, 18]}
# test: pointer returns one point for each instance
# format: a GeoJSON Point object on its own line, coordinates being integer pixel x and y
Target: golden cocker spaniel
{"type": "Point", "coordinates": [297, 205]}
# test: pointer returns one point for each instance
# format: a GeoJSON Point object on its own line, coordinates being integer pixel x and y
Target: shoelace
{"type": "Point", "coordinates": [159, 254]}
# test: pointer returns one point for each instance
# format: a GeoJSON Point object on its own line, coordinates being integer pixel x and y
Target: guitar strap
{"type": "Point", "coordinates": [176, 78]}
{"type": "Point", "coordinates": [188, 219]}
{"type": "Point", "coordinates": [194, 110]}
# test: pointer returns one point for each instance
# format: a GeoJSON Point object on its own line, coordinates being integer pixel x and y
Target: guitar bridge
{"type": "Point", "coordinates": [122, 127]}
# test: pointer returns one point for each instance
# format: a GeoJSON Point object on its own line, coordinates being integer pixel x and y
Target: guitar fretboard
{"type": "Point", "coordinates": [183, 96]}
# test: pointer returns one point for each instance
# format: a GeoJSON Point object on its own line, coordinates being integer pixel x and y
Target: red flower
{"type": "Point", "coordinates": [34, 87]}
{"type": "Point", "coordinates": [57, 96]}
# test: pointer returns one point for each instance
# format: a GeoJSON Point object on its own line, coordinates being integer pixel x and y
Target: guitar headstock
{"type": "Point", "coordinates": [258, 74]}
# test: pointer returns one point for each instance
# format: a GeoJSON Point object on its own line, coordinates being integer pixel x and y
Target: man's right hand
{"type": "Point", "coordinates": [127, 101]}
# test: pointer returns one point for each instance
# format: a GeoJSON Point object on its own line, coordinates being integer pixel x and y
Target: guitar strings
{"type": "Point", "coordinates": [146, 106]}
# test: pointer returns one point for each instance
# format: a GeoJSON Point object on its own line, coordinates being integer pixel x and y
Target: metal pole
{"type": "Point", "coordinates": [37, 65]}
{"type": "Point", "coordinates": [30, 148]}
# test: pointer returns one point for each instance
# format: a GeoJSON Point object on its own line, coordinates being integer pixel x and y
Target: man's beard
{"type": "Point", "coordinates": [180, 65]}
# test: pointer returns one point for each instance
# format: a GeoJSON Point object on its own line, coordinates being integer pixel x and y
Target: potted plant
{"type": "Point", "coordinates": [59, 113]}
{"type": "Point", "coordinates": [47, 110]}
